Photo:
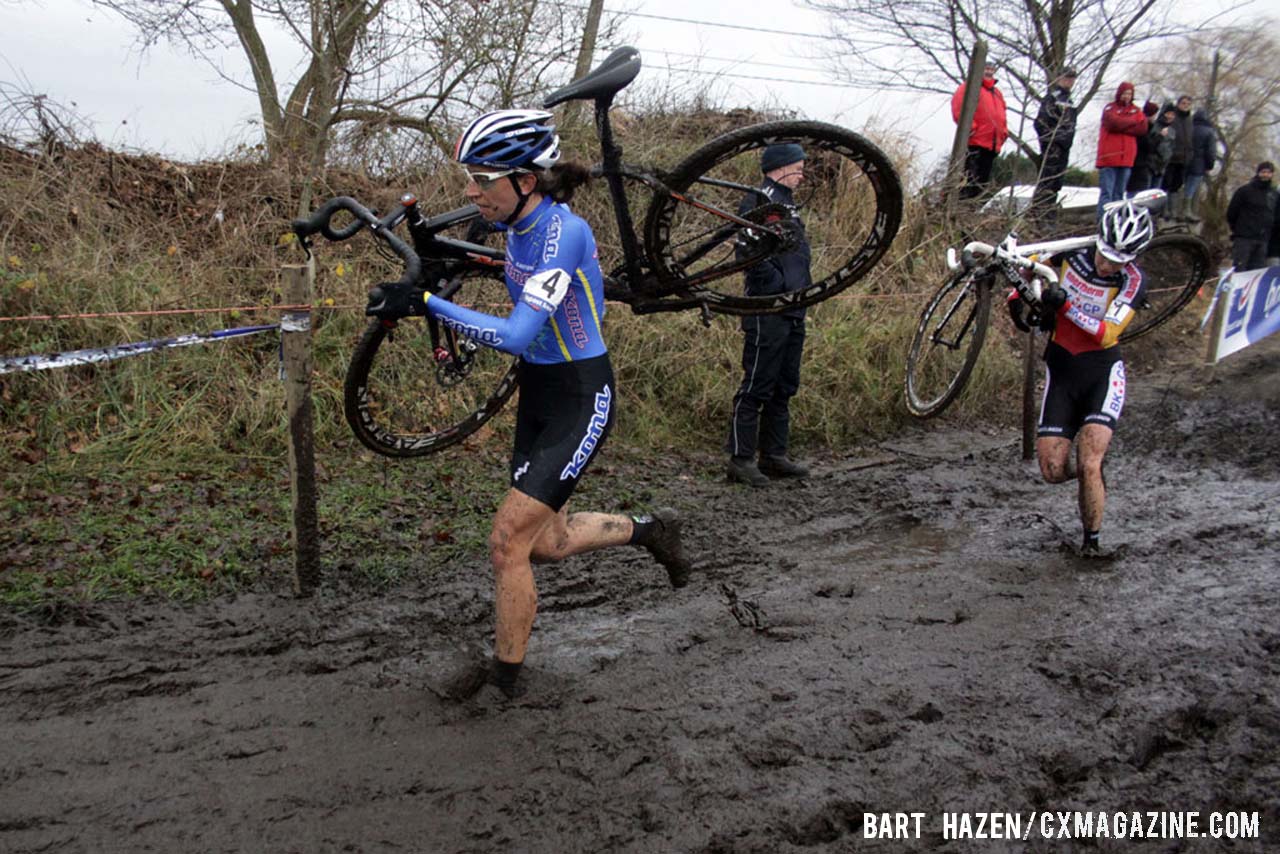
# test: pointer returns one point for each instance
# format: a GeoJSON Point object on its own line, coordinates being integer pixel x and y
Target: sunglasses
{"type": "Point", "coordinates": [486, 180]}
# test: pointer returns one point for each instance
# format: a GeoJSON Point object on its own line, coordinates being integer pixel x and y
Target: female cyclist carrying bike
{"type": "Point", "coordinates": [567, 391]}
{"type": "Point", "coordinates": [1084, 371]}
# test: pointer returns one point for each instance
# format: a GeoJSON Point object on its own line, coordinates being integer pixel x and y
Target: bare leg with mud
{"type": "Point", "coordinates": [1054, 455]}
{"type": "Point", "coordinates": [1093, 441]}
{"type": "Point", "coordinates": [525, 530]}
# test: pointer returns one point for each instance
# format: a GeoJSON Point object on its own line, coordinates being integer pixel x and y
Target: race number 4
{"type": "Point", "coordinates": [546, 289]}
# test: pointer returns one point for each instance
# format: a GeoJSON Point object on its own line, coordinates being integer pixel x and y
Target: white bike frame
{"type": "Point", "coordinates": [1024, 255]}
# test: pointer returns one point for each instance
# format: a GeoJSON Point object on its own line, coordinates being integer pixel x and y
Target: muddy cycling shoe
{"type": "Point", "coordinates": [506, 678]}
{"type": "Point", "coordinates": [492, 697]}
{"type": "Point", "coordinates": [1093, 551]}
{"type": "Point", "coordinates": [782, 467]}
{"type": "Point", "coordinates": [744, 470]}
{"type": "Point", "coordinates": [664, 543]}
{"type": "Point", "coordinates": [472, 670]}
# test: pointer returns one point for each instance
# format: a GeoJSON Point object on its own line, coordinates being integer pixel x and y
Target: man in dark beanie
{"type": "Point", "coordinates": [772, 343]}
{"type": "Point", "coordinates": [1252, 217]}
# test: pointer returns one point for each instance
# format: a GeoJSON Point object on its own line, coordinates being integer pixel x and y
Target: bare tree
{"type": "Point", "coordinates": [375, 64]}
{"type": "Point", "coordinates": [1246, 97]}
{"type": "Point", "coordinates": [924, 45]}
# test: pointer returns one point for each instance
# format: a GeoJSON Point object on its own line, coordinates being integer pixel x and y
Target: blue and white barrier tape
{"type": "Point", "coordinates": [19, 364]}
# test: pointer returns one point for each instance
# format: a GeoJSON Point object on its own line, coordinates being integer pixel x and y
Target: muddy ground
{"type": "Point", "coordinates": [911, 634]}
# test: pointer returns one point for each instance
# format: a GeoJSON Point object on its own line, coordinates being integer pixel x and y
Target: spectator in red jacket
{"type": "Point", "coordinates": [1122, 123]}
{"type": "Point", "coordinates": [987, 134]}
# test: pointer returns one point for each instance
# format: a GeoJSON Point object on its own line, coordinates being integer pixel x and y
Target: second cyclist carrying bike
{"type": "Point", "coordinates": [1084, 370]}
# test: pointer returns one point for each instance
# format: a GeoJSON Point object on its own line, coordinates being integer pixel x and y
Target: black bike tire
{"type": "Point", "coordinates": [378, 438]}
{"type": "Point", "coordinates": [875, 164]}
{"type": "Point", "coordinates": [1141, 324]}
{"type": "Point", "coordinates": [975, 332]}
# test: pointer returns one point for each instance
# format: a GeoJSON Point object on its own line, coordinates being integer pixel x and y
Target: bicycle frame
{"type": "Point", "coordinates": [643, 290]}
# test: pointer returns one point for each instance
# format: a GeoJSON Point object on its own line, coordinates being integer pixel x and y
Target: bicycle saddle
{"type": "Point", "coordinates": [619, 69]}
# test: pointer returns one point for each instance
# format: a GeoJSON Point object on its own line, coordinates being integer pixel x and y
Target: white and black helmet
{"type": "Point", "coordinates": [510, 139]}
{"type": "Point", "coordinates": [1125, 231]}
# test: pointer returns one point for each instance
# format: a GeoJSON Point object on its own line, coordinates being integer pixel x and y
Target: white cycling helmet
{"type": "Point", "coordinates": [1124, 232]}
{"type": "Point", "coordinates": [510, 139]}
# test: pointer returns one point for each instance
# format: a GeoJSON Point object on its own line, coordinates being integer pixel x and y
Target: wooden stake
{"type": "Point", "coordinates": [295, 332]}
{"type": "Point", "coordinates": [1029, 397]}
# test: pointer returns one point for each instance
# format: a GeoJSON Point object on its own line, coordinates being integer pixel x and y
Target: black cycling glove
{"type": "Point", "coordinates": [392, 301]}
{"type": "Point", "coordinates": [1051, 299]}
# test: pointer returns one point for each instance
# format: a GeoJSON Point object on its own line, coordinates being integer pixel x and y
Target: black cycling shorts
{"type": "Point", "coordinates": [1078, 392]}
{"type": "Point", "coordinates": [564, 415]}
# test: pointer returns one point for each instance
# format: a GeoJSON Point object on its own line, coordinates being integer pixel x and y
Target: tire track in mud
{"type": "Point", "coordinates": [917, 639]}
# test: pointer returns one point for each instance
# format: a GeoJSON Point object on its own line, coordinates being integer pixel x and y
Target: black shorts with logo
{"type": "Point", "coordinates": [1084, 389]}
{"type": "Point", "coordinates": [564, 415]}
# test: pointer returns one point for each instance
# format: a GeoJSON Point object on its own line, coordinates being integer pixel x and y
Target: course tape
{"type": "Point", "coordinates": [19, 364]}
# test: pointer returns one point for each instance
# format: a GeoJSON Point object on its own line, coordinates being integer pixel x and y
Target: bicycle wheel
{"type": "Point", "coordinates": [402, 400]}
{"type": "Point", "coordinates": [1175, 266]}
{"type": "Point", "coordinates": [947, 342]}
{"type": "Point", "coordinates": [850, 202]}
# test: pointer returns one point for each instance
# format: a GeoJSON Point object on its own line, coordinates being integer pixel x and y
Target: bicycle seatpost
{"type": "Point", "coordinates": [611, 158]}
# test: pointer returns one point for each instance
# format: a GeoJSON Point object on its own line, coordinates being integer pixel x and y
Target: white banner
{"type": "Point", "coordinates": [1248, 310]}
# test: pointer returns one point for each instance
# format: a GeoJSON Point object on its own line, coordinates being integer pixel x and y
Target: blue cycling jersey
{"type": "Point", "coordinates": [553, 277]}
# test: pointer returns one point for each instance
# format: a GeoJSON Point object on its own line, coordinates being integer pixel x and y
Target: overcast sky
{"type": "Point", "coordinates": [167, 102]}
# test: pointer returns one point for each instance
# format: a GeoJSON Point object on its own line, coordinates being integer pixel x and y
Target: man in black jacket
{"type": "Point", "coordinates": [773, 343]}
{"type": "Point", "coordinates": [1252, 217]}
{"type": "Point", "coordinates": [1175, 171]}
{"type": "Point", "coordinates": [1204, 151]}
{"type": "Point", "coordinates": [1153, 149]}
{"type": "Point", "coordinates": [1056, 129]}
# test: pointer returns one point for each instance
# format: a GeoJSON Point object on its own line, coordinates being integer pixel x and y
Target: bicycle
{"type": "Point", "coordinates": [953, 325]}
{"type": "Point", "coordinates": [436, 387]}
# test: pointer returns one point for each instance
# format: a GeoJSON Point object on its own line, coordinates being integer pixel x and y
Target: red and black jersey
{"type": "Point", "coordinates": [1098, 308]}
